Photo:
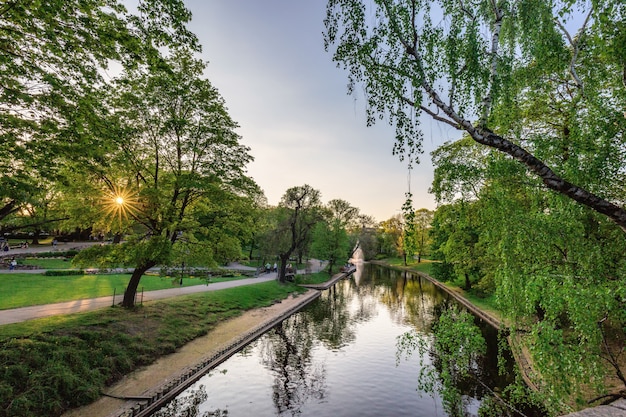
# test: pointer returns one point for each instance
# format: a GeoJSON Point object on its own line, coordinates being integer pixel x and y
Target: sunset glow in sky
{"type": "Point", "coordinates": [268, 61]}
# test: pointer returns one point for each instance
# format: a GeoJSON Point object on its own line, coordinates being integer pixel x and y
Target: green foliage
{"type": "Point", "coordinates": [455, 346]}
{"type": "Point", "coordinates": [330, 242]}
{"type": "Point", "coordinates": [293, 223]}
{"type": "Point", "coordinates": [178, 166]}
{"type": "Point", "coordinates": [390, 236]}
{"type": "Point", "coordinates": [66, 254]}
{"type": "Point", "coordinates": [409, 229]}
{"type": "Point", "coordinates": [455, 236]}
{"type": "Point", "coordinates": [54, 62]}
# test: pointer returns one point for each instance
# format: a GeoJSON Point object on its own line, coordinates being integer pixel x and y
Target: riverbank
{"type": "Point", "coordinates": [520, 352]}
{"type": "Point", "coordinates": [177, 370]}
{"type": "Point", "coordinates": [145, 389]}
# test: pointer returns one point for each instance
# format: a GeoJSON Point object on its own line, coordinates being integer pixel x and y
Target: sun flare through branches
{"type": "Point", "coordinates": [120, 203]}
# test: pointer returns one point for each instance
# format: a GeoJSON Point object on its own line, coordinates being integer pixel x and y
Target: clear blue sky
{"type": "Point", "coordinates": [267, 59]}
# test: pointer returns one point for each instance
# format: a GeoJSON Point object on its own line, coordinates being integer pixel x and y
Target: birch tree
{"type": "Point", "coordinates": [468, 65]}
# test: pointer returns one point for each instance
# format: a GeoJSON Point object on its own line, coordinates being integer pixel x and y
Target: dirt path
{"type": "Point", "coordinates": [168, 367]}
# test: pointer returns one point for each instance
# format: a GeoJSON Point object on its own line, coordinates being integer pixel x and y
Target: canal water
{"type": "Point", "coordinates": [339, 357]}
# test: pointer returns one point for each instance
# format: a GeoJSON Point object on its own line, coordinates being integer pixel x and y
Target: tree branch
{"type": "Point", "coordinates": [574, 43]}
{"type": "Point", "coordinates": [495, 36]}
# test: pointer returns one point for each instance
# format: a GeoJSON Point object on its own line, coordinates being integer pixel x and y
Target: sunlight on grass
{"type": "Point", "coordinates": [22, 289]}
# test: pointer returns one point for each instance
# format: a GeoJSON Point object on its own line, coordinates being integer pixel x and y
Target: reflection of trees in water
{"type": "Point", "coordinates": [409, 298]}
{"type": "Point", "coordinates": [331, 316]}
{"type": "Point", "coordinates": [448, 360]}
{"type": "Point", "coordinates": [286, 351]}
{"type": "Point", "coordinates": [188, 405]}
{"type": "Point", "coordinates": [456, 363]}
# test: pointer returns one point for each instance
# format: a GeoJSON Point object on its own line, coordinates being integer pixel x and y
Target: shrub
{"type": "Point", "coordinates": [65, 254]}
{"type": "Point", "coordinates": [63, 272]}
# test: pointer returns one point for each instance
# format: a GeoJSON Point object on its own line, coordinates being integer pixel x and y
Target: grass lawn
{"type": "Point", "coordinates": [21, 289]}
{"type": "Point", "coordinates": [423, 266]}
{"type": "Point", "coordinates": [315, 278]}
{"type": "Point", "coordinates": [69, 359]}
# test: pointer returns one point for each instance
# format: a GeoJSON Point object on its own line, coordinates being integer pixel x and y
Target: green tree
{"type": "Point", "coordinates": [226, 221]}
{"type": "Point", "coordinates": [297, 215]}
{"type": "Point", "coordinates": [455, 237]}
{"type": "Point", "coordinates": [553, 265]}
{"type": "Point", "coordinates": [390, 236]}
{"type": "Point", "coordinates": [423, 220]}
{"type": "Point", "coordinates": [409, 232]}
{"type": "Point", "coordinates": [330, 236]}
{"type": "Point", "coordinates": [457, 64]}
{"type": "Point", "coordinates": [54, 57]}
{"type": "Point", "coordinates": [177, 147]}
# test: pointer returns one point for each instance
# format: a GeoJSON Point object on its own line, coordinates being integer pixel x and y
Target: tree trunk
{"type": "Point", "coordinates": [283, 266]}
{"type": "Point", "coordinates": [131, 289]}
{"type": "Point", "coordinates": [9, 208]}
{"type": "Point", "coordinates": [550, 179]}
{"type": "Point", "coordinates": [468, 283]}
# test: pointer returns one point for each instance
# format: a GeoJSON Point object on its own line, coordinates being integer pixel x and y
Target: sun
{"type": "Point", "coordinates": [120, 203]}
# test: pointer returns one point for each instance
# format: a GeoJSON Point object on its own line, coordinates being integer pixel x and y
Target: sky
{"type": "Point", "coordinates": [267, 60]}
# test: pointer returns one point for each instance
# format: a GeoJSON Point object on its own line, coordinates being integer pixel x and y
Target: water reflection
{"type": "Point", "coordinates": [286, 352]}
{"type": "Point", "coordinates": [337, 357]}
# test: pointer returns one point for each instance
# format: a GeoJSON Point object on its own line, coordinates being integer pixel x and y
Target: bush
{"type": "Point", "coordinates": [63, 272]}
{"type": "Point", "coordinates": [64, 254]}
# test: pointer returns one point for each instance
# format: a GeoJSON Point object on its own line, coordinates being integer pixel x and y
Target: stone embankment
{"type": "Point", "coordinates": [156, 397]}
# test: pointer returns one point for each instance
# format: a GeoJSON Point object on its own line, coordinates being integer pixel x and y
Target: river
{"type": "Point", "coordinates": [339, 357]}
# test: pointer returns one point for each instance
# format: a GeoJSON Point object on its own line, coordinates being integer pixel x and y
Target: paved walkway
{"type": "Point", "coordinates": [17, 315]}
{"type": "Point", "coordinates": [61, 247]}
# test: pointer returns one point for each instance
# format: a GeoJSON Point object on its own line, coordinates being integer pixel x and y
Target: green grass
{"type": "Point", "coordinates": [485, 303]}
{"type": "Point", "coordinates": [22, 289]}
{"type": "Point", "coordinates": [68, 360]}
{"type": "Point", "coordinates": [315, 278]}
{"type": "Point", "coordinates": [423, 266]}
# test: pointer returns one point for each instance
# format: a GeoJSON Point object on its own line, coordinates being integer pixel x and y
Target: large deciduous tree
{"type": "Point", "coordinates": [297, 215]}
{"type": "Point", "coordinates": [555, 266]}
{"type": "Point", "coordinates": [53, 57]}
{"type": "Point", "coordinates": [423, 220]}
{"type": "Point", "coordinates": [177, 148]}
{"type": "Point", "coordinates": [478, 66]}
{"type": "Point", "coordinates": [330, 236]}
{"type": "Point", "coordinates": [540, 83]}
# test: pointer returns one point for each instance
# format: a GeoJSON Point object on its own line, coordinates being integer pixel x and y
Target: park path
{"type": "Point", "coordinates": [18, 315]}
